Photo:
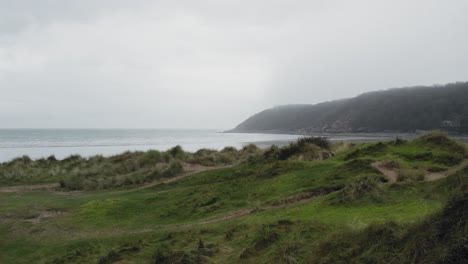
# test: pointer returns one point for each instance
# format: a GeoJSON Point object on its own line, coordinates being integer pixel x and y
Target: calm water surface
{"type": "Point", "coordinates": [38, 143]}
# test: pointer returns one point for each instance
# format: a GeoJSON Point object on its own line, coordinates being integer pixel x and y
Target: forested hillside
{"type": "Point", "coordinates": [394, 110]}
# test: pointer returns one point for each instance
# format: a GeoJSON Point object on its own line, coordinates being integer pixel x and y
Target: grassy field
{"type": "Point", "coordinates": [310, 202]}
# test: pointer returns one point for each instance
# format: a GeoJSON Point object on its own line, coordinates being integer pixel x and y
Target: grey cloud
{"type": "Point", "coordinates": [213, 63]}
{"type": "Point", "coordinates": [20, 14]}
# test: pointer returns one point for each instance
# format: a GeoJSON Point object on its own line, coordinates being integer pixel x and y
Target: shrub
{"type": "Point", "coordinates": [441, 140]}
{"type": "Point", "coordinates": [177, 152]}
{"type": "Point", "coordinates": [358, 187]}
{"type": "Point", "coordinates": [154, 174]}
{"type": "Point", "coordinates": [250, 148]}
{"type": "Point", "coordinates": [73, 158]}
{"type": "Point", "coordinates": [175, 167]}
{"type": "Point", "coordinates": [303, 151]}
{"type": "Point", "coordinates": [111, 257]}
{"type": "Point", "coordinates": [436, 168]}
{"type": "Point", "coordinates": [229, 149]}
{"type": "Point", "coordinates": [204, 152]}
{"type": "Point", "coordinates": [321, 142]}
{"type": "Point", "coordinates": [358, 166]}
{"type": "Point", "coordinates": [265, 236]}
{"type": "Point", "coordinates": [289, 252]}
{"type": "Point", "coordinates": [272, 153]}
{"type": "Point", "coordinates": [307, 148]}
{"type": "Point", "coordinates": [206, 157]}
{"type": "Point", "coordinates": [391, 164]}
{"type": "Point", "coordinates": [410, 174]}
{"type": "Point", "coordinates": [448, 159]}
{"type": "Point", "coordinates": [26, 159]}
{"type": "Point", "coordinates": [150, 157]}
{"type": "Point", "coordinates": [398, 141]}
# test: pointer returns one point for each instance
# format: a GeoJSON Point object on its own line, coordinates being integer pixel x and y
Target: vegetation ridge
{"type": "Point", "coordinates": [308, 202]}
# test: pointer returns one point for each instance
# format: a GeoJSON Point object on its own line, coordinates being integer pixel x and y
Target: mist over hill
{"type": "Point", "coordinates": [394, 110]}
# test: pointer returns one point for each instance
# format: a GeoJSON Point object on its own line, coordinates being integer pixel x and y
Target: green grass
{"type": "Point", "coordinates": [119, 171]}
{"type": "Point", "coordinates": [356, 216]}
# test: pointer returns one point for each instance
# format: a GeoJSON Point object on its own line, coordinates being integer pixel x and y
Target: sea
{"type": "Point", "coordinates": [40, 143]}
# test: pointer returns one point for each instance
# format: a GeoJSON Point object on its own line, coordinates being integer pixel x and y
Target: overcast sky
{"type": "Point", "coordinates": [211, 64]}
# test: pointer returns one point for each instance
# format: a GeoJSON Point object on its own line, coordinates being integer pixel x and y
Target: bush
{"type": "Point", "coordinates": [229, 149]}
{"type": "Point", "coordinates": [265, 236]}
{"type": "Point", "coordinates": [391, 164]}
{"type": "Point", "coordinates": [321, 142]}
{"type": "Point", "coordinates": [177, 152]}
{"type": "Point", "coordinates": [307, 148]}
{"type": "Point", "coordinates": [175, 167]}
{"type": "Point", "coordinates": [289, 252]}
{"type": "Point", "coordinates": [111, 257]}
{"type": "Point", "coordinates": [410, 174]}
{"type": "Point", "coordinates": [206, 157]}
{"type": "Point", "coordinates": [151, 157]}
{"type": "Point", "coordinates": [398, 141]}
{"type": "Point", "coordinates": [272, 153]}
{"type": "Point", "coordinates": [250, 148]}
{"type": "Point", "coordinates": [359, 187]}
{"type": "Point", "coordinates": [73, 158]}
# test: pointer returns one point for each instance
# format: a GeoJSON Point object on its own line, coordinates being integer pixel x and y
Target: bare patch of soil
{"type": "Point", "coordinates": [189, 169]}
{"type": "Point", "coordinates": [292, 200]}
{"type": "Point", "coordinates": [392, 174]}
{"type": "Point", "coordinates": [37, 187]}
{"type": "Point", "coordinates": [44, 215]}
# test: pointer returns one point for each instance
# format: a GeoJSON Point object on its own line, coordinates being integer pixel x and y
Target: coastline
{"type": "Point", "coordinates": [357, 137]}
{"type": "Point", "coordinates": [192, 143]}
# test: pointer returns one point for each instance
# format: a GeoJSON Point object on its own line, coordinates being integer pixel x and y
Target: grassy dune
{"type": "Point", "coordinates": [309, 202]}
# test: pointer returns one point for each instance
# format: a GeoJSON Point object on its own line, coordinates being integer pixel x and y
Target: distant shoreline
{"type": "Point", "coordinates": [358, 137]}
{"type": "Point", "coordinates": [86, 148]}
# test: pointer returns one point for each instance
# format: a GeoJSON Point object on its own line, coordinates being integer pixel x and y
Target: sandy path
{"type": "Point", "coordinates": [289, 201]}
{"type": "Point", "coordinates": [239, 213]}
{"type": "Point", "coordinates": [189, 170]}
{"type": "Point", "coordinates": [439, 175]}
{"type": "Point", "coordinates": [392, 174]}
{"type": "Point", "coordinates": [36, 187]}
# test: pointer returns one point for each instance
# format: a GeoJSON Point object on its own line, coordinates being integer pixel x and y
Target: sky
{"type": "Point", "coordinates": [214, 63]}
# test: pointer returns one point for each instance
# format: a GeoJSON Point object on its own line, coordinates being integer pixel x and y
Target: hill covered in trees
{"type": "Point", "coordinates": [394, 110]}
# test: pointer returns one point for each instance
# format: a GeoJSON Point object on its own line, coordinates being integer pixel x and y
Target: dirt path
{"type": "Point", "coordinates": [189, 170]}
{"type": "Point", "coordinates": [36, 187]}
{"type": "Point", "coordinates": [439, 175]}
{"type": "Point", "coordinates": [392, 174]}
{"type": "Point", "coordinates": [239, 213]}
{"type": "Point", "coordinates": [289, 201]}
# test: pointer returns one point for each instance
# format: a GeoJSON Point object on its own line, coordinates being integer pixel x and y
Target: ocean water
{"type": "Point", "coordinates": [38, 143]}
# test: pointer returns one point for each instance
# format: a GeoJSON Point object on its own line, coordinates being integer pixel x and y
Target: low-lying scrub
{"type": "Point", "coordinates": [98, 172]}
{"type": "Point", "coordinates": [261, 210]}
{"type": "Point", "coordinates": [306, 148]}
{"type": "Point", "coordinates": [405, 174]}
{"type": "Point", "coordinates": [358, 187]}
{"type": "Point", "coordinates": [132, 168]}
{"type": "Point", "coordinates": [440, 238]}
